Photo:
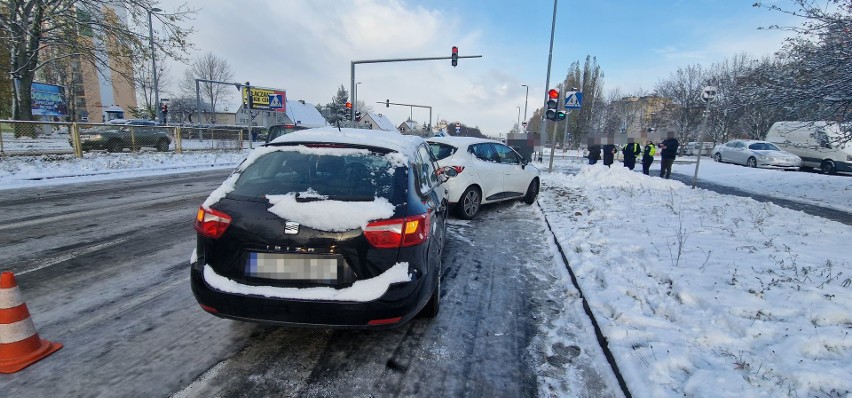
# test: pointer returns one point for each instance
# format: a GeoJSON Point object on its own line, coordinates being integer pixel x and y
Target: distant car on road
{"type": "Point", "coordinates": [133, 133]}
{"type": "Point", "coordinates": [340, 228]}
{"type": "Point", "coordinates": [753, 153]}
{"type": "Point", "coordinates": [281, 129]}
{"type": "Point", "coordinates": [693, 148]}
{"type": "Point", "coordinates": [488, 171]}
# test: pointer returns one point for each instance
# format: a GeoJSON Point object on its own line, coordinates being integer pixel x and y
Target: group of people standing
{"type": "Point", "coordinates": [632, 150]}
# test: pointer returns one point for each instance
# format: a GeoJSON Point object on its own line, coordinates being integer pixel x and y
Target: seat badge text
{"type": "Point", "coordinates": [291, 228]}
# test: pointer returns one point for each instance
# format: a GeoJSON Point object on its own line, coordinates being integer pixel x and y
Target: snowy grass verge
{"type": "Point", "coordinates": [703, 294]}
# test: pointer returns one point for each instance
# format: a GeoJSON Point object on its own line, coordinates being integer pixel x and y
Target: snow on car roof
{"type": "Point", "coordinates": [459, 141]}
{"type": "Point", "coordinates": [404, 144]}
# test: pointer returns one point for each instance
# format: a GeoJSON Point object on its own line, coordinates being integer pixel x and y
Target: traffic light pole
{"type": "Point", "coordinates": [378, 61]}
{"type": "Point", "coordinates": [388, 103]}
{"type": "Point", "coordinates": [547, 88]}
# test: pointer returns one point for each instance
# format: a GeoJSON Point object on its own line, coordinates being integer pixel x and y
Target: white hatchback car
{"type": "Point", "coordinates": [488, 171]}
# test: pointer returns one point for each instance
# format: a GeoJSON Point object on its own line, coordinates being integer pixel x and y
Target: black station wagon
{"type": "Point", "coordinates": [325, 227]}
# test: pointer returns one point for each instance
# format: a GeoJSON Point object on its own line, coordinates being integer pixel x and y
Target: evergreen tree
{"type": "Point", "coordinates": [336, 111]}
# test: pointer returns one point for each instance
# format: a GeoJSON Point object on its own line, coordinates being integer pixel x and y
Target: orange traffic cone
{"type": "Point", "coordinates": [20, 345]}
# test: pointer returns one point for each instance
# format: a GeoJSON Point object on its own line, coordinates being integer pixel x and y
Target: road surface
{"type": "Point", "coordinates": [104, 269]}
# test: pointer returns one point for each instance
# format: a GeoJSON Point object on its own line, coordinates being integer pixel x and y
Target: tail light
{"type": "Point", "coordinates": [458, 170]}
{"type": "Point", "coordinates": [398, 232]}
{"type": "Point", "coordinates": [211, 223]}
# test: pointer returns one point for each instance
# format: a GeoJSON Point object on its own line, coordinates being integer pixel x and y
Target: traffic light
{"type": "Point", "coordinates": [348, 105]}
{"type": "Point", "coordinates": [387, 103]}
{"type": "Point", "coordinates": [165, 108]}
{"type": "Point", "coordinates": [358, 116]}
{"type": "Point", "coordinates": [552, 112]}
{"type": "Point", "coordinates": [455, 56]}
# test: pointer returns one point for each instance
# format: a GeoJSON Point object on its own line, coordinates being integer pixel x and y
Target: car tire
{"type": "Point", "coordinates": [718, 157]}
{"type": "Point", "coordinates": [532, 192]}
{"type": "Point", "coordinates": [751, 162]}
{"type": "Point", "coordinates": [828, 167]}
{"type": "Point", "coordinates": [434, 304]}
{"type": "Point", "coordinates": [162, 145]}
{"type": "Point", "coordinates": [114, 146]}
{"type": "Point", "coordinates": [469, 204]}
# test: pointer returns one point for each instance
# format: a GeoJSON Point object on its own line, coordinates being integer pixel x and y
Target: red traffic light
{"type": "Point", "coordinates": [348, 105]}
{"type": "Point", "coordinates": [455, 50]}
{"type": "Point", "coordinates": [553, 94]}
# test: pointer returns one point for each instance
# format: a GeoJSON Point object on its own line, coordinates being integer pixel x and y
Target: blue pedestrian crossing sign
{"type": "Point", "coordinates": [276, 101]}
{"type": "Point", "coordinates": [573, 100]}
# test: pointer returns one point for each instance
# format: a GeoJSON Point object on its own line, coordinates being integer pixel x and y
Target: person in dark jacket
{"type": "Point", "coordinates": [630, 151]}
{"type": "Point", "coordinates": [668, 153]}
{"type": "Point", "coordinates": [594, 153]}
{"type": "Point", "coordinates": [648, 157]}
{"type": "Point", "coordinates": [609, 151]}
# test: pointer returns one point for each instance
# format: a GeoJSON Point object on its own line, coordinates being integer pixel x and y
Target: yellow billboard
{"type": "Point", "coordinates": [266, 99]}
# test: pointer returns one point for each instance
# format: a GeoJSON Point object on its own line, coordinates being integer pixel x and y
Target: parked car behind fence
{"type": "Point", "coordinates": [43, 138]}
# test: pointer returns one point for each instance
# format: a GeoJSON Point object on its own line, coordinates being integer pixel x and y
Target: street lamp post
{"type": "Point", "coordinates": [355, 105]}
{"type": "Point", "coordinates": [154, 63]}
{"type": "Point", "coordinates": [526, 99]}
{"type": "Point", "coordinates": [519, 117]}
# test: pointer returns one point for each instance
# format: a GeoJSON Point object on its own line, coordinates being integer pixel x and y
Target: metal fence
{"type": "Point", "coordinates": [43, 138]}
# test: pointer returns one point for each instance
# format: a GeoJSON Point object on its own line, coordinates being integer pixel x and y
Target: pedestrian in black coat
{"type": "Point", "coordinates": [594, 153]}
{"type": "Point", "coordinates": [668, 154]}
{"type": "Point", "coordinates": [609, 152]}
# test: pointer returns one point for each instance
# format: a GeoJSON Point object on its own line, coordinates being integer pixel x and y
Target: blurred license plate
{"type": "Point", "coordinates": [292, 266]}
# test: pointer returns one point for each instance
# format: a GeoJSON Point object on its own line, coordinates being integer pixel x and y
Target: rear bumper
{"type": "Point", "coordinates": [401, 300]}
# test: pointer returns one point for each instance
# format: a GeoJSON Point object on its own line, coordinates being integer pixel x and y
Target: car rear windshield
{"type": "Point", "coordinates": [441, 151]}
{"type": "Point", "coordinates": [345, 174]}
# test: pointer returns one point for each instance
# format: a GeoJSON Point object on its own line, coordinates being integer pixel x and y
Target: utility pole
{"type": "Point", "coordinates": [707, 95]}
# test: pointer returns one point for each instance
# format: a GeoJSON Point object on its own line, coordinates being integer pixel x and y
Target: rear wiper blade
{"type": "Point", "coordinates": [309, 198]}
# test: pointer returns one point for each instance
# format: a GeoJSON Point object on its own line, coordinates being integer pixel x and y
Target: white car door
{"type": "Point", "coordinates": [515, 178]}
{"type": "Point", "coordinates": [488, 169]}
{"type": "Point", "coordinates": [734, 153]}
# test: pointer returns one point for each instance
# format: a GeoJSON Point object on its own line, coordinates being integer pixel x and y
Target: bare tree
{"type": "Point", "coordinates": [89, 29]}
{"type": "Point", "coordinates": [818, 61]}
{"type": "Point", "coordinates": [731, 102]}
{"type": "Point", "coordinates": [683, 88]}
{"type": "Point", "coordinates": [209, 67]}
{"type": "Point", "coordinates": [144, 83]}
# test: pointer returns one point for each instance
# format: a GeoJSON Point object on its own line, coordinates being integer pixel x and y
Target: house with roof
{"type": "Point", "coordinates": [376, 121]}
{"type": "Point", "coordinates": [408, 127]}
{"type": "Point", "coordinates": [304, 114]}
{"type": "Point", "coordinates": [296, 112]}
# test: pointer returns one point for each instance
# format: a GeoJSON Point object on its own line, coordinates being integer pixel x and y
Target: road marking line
{"type": "Point", "coordinates": [74, 253]}
{"type": "Point", "coordinates": [86, 213]}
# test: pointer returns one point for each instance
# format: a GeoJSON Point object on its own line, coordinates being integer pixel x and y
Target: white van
{"type": "Point", "coordinates": [820, 144]}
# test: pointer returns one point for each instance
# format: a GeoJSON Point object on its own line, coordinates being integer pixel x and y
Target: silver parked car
{"type": "Point", "coordinates": [753, 153]}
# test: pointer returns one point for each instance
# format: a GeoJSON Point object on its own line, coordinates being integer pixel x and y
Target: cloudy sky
{"type": "Point", "coordinates": [306, 47]}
